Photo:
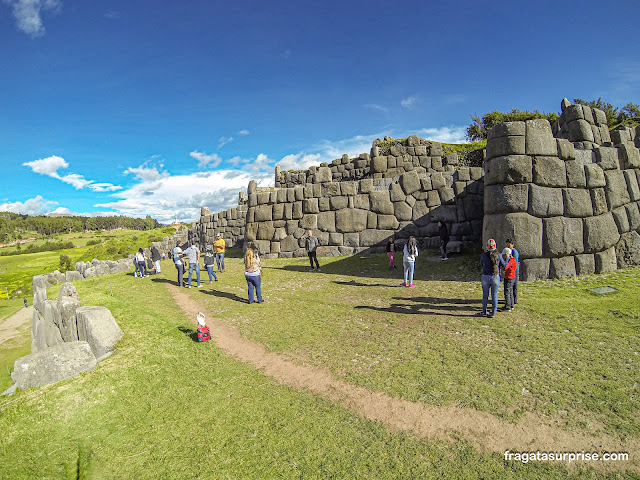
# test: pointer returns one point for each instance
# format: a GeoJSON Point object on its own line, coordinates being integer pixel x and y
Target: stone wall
{"type": "Point", "coordinates": [571, 204]}
{"type": "Point", "coordinates": [230, 223]}
{"type": "Point", "coordinates": [356, 216]}
{"type": "Point", "coordinates": [411, 154]}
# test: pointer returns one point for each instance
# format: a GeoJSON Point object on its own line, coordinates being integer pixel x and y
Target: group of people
{"type": "Point", "coordinates": [492, 264]}
{"type": "Point", "coordinates": [143, 267]}
{"type": "Point", "coordinates": [191, 256]}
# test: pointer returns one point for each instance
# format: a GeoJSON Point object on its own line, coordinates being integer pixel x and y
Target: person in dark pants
{"type": "Point", "coordinates": [509, 278]}
{"type": "Point", "coordinates": [253, 274]}
{"type": "Point", "coordinates": [311, 245]}
{"type": "Point", "coordinates": [177, 260]}
{"type": "Point", "coordinates": [155, 258]}
{"type": "Point", "coordinates": [142, 267]}
{"type": "Point", "coordinates": [444, 239]}
{"type": "Point", "coordinates": [516, 255]}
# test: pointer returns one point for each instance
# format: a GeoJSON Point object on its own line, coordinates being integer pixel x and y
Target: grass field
{"type": "Point", "coordinates": [164, 406]}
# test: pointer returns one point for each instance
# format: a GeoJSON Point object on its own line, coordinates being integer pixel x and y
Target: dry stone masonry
{"type": "Point", "coordinates": [570, 202]}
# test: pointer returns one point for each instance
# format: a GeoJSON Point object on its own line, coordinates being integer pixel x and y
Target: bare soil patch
{"type": "Point", "coordinates": [9, 328]}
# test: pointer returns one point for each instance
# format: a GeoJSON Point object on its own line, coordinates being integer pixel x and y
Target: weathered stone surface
{"type": "Point", "coordinates": [577, 202]}
{"type": "Point", "coordinates": [263, 247]}
{"type": "Point", "coordinates": [288, 244]}
{"type": "Point", "coordinates": [444, 213]}
{"type": "Point", "coordinates": [328, 251]}
{"type": "Point", "coordinates": [549, 171]}
{"type": "Point", "coordinates": [338, 203]}
{"type": "Point", "coordinates": [323, 174]}
{"type": "Point", "coordinates": [616, 189]}
{"type": "Point", "coordinates": [564, 267]}
{"type": "Point", "coordinates": [632, 185]}
{"type": "Point", "coordinates": [379, 164]}
{"type": "Point", "coordinates": [336, 239]}
{"type": "Point", "coordinates": [621, 219]}
{"type": "Point", "coordinates": [607, 158]}
{"type": "Point", "coordinates": [606, 261]}
{"type": "Point", "coordinates": [506, 198]}
{"type": "Point", "coordinates": [628, 250]}
{"type": "Point", "coordinates": [310, 205]}
{"type": "Point", "coordinates": [402, 211]}
{"type": "Point", "coordinates": [296, 212]}
{"type": "Point", "coordinates": [409, 182]}
{"type": "Point", "coordinates": [599, 201]}
{"type": "Point", "coordinates": [575, 174]}
{"type": "Point", "coordinates": [348, 188]}
{"type": "Point", "coordinates": [523, 228]}
{"type": "Point", "coordinates": [309, 221]}
{"type": "Point", "coordinates": [263, 213]}
{"type": "Point", "coordinates": [633, 214]}
{"type": "Point", "coordinates": [327, 221]}
{"type": "Point", "coordinates": [396, 194]}
{"type": "Point", "coordinates": [369, 238]}
{"type": "Point", "coordinates": [629, 156]}
{"type": "Point", "coordinates": [502, 146]}
{"type": "Point", "coordinates": [380, 203]}
{"type": "Point", "coordinates": [506, 129]}
{"type": "Point", "coordinates": [351, 240]}
{"type": "Point", "coordinates": [566, 150]}
{"type": "Point", "coordinates": [579, 131]}
{"type": "Point", "coordinates": [545, 201]}
{"type": "Point", "coordinates": [67, 304]}
{"type": "Point", "coordinates": [573, 112]}
{"type": "Point", "coordinates": [420, 211]}
{"type": "Point", "coordinates": [53, 364]}
{"type": "Point", "coordinates": [351, 220]}
{"type": "Point", "coordinates": [264, 198]}
{"type": "Point", "coordinates": [534, 269]}
{"type": "Point", "coordinates": [539, 139]}
{"type": "Point", "coordinates": [510, 169]}
{"type": "Point", "coordinates": [387, 222]}
{"type": "Point", "coordinates": [265, 231]}
{"type": "Point", "coordinates": [562, 236]}
{"type": "Point", "coordinates": [99, 329]}
{"type": "Point", "coordinates": [585, 264]}
{"type": "Point", "coordinates": [447, 195]}
{"type": "Point", "coordinates": [600, 232]}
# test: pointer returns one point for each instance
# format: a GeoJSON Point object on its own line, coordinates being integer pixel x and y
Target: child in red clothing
{"type": "Point", "coordinates": [509, 278]}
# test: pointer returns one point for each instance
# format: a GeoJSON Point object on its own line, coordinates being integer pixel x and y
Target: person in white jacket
{"type": "Point", "coordinates": [410, 252]}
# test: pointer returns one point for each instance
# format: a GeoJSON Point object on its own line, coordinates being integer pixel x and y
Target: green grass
{"type": "Point", "coordinates": [166, 407]}
{"type": "Point", "coordinates": [10, 351]}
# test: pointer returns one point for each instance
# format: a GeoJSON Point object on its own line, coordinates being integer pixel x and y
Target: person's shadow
{"type": "Point", "coordinates": [221, 294]}
{"type": "Point", "coordinates": [192, 334]}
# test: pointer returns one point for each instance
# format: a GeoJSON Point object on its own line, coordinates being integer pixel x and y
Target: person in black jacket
{"type": "Point", "coordinates": [391, 251]}
{"type": "Point", "coordinates": [155, 257]}
{"type": "Point", "coordinates": [444, 239]}
{"type": "Point", "coordinates": [311, 243]}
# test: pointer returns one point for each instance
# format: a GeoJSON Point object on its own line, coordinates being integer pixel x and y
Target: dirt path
{"type": "Point", "coordinates": [9, 327]}
{"type": "Point", "coordinates": [486, 432]}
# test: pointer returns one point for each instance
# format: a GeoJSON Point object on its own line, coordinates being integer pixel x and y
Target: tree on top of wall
{"type": "Point", "coordinates": [629, 115]}
{"type": "Point", "coordinates": [480, 126]}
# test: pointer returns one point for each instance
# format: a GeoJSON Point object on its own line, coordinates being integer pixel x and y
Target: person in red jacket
{"type": "Point", "coordinates": [509, 278]}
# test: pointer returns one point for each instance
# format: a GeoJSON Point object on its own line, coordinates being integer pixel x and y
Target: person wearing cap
{"type": "Point", "coordinates": [490, 262]}
{"type": "Point", "coordinates": [209, 260]}
{"type": "Point", "coordinates": [510, 266]}
{"type": "Point", "coordinates": [220, 246]}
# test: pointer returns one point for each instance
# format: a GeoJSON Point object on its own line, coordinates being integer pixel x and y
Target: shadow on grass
{"type": "Point", "coordinates": [353, 283]}
{"type": "Point", "coordinates": [451, 307]}
{"type": "Point", "coordinates": [189, 332]}
{"type": "Point", "coordinates": [221, 294]}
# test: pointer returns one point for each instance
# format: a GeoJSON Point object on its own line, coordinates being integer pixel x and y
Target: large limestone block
{"type": "Point", "coordinates": [616, 189]}
{"type": "Point", "coordinates": [621, 219]}
{"type": "Point", "coordinates": [351, 220]}
{"type": "Point", "coordinates": [387, 222]}
{"type": "Point", "coordinates": [338, 203]}
{"type": "Point", "coordinates": [444, 213]}
{"type": "Point", "coordinates": [473, 207]}
{"type": "Point", "coordinates": [534, 269]}
{"type": "Point", "coordinates": [573, 112]}
{"type": "Point", "coordinates": [99, 329]}
{"type": "Point", "coordinates": [577, 202]}
{"type": "Point", "coordinates": [509, 169]}
{"type": "Point", "coordinates": [595, 176]}
{"type": "Point", "coordinates": [296, 213]}
{"type": "Point", "coordinates": [562, 236]}
{"type": "Point", "coordinates": [278, 211]}
{"type": "Point", "coordinates": [563, 267]}
{"type": "Point", "coordinates": [370, 238]}
{"type": "Point", "coordinates": [310, 205]}
{"type": "Point", "coordinates": [599, 201]}
{"type": "Point", "coordinates": [607, 158]}
{"type": "Point", "coordinates": [629, 156]}
{"type": "Point", "coordinates": [539, 139]}
{"type": "Point", "coordinates": [323, 174]}
{"type": "Point", "coordinates": [585, 264]}
{"type": "Point", "coordinates": [327, 221]}
{"type": "Point", "coordinates": [632, 184]}
{"type": "Point", "coordinates": [309, 221]}
{"type": "Point", "coordinates": [379, 164]}
{"type": "Point", "coordinates": [633, 214]}
{"type": "Point", "coordinates": [409, 182]}
{"type": "Point", "coordinates": [506, 198]}
{"type": "Point", "coordinates": [628, 250]}
{"type": "Point", "coordinates": [549, 171]}
{"type": "Point", "coordinates": [67, 304]}
{"type": "Point", "coordinates": [264, 213]}
{"type": "Point", "coordinates": [288, 244]}
{"type": "Point", "coordinates": [372, 220]}
{"type": "Point", "coordinates": [336, 239]}
{"type": "Point", "coordinates": [264, 198]}
{"type": "Point", "coordinates": [507, 129]}
{"type": "Point", "coordinates": [402, 211]}
{"type": "Point", "coordinates": [447, 195]}
{"type": "Point", "coordinates": [351, 240]}
{"type": "Point", "coordinates": [566, 150]}
{"type": "Point", "coordinates": [600, 232]}
{"type": "Point", "coordinates": [265, 231]}
{"type": "Point", "coordinates": [545, 201]}
{"type": "Point", "coordinates": [524, 229]}
{"type": "Point", "coordinates": [53, 364]}
{"type": "Point", "coordinates": [501, 146]}
{"type": "Point", "coordinates": [606, 261]}
{"type": "Point", "coordinates": [576, 177]}
{"type": "Point", "coordinates": [580, 131]}
{"type": "Point", "coordinates": [380, 203]}
{"type": "Point", "coordinates": [420, 213]}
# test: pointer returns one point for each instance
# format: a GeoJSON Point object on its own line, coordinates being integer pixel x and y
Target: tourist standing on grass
{"type": "Point", "coordinates": [209, 260]}
{"type": "Point", "coordinates": [177, 260]}
{"type": "Point", "coordinates": [510, 266]}
{"type": "Point", "coordinates": [410, 253]}
{"type": "Point", "coordinates": [193, 255]}
{"type": "Point", "coordinates": [311, 245]}
{"type": "Point", "coordinates": [220, 247]}
{"type": "Point", "coordinates": [391, 251]}
{"type": "Point", "coordinates": [253, 274]}
{"type": "Point", "coordinates": [155, 257]}
{"type": "Point", "coordinates": [444, 239]}
{"type": "Point", "coordinates": [135, 266]}
{"type": "Point", "coordinates": [490, 261]}
{"type": "Point", "coordinates": [142, 267]}
{"type": "Point", "coordinates": [516, 255]}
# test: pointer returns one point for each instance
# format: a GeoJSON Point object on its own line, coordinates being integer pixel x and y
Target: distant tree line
{"type": "Point", "coordinates": [13, 226]}
{"type": "Point", "coordinates": [629, 115]}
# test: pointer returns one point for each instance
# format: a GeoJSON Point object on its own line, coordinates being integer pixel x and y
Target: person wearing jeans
{"type": "Point", "coordinates": [410, 252]}
{"type": "Point", "coordinates": [490, 261]}
{"type": "Point", "coordinates": [177, 260]}
{"type": "Point", "coordinates": [220, 246]}
{"type": "Point", "coordinates": [193, 254]}
{"type": "Point", "coordinates": [253, 274]}
{"type": "Point", "coordinates": [155, 257]}
{"type": "Point", "coordinates": [209, 260]}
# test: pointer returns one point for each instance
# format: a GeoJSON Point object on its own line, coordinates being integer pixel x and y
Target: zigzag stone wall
{"type": "Point", "coordinates": [572, 207]}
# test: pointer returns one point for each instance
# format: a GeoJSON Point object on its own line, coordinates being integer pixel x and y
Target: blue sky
{"type": "Point", "coordinates": [155, 107]}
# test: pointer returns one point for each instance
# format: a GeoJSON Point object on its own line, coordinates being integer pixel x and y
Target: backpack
{"type": "Point", "coordinates": [203, 334]}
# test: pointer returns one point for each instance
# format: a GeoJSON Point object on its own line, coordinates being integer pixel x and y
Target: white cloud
{"type": "Point", "coordinates": [409, 102]}
{"type": "Point", "coordinates": [223, 141]}
{"type": "Point", "coordinates": [444, 134]}
{"type": "Point", "coordinates": [28, 14]}
{"type": "Point", "coordinates": [33, 206]}
{"type": "Point", "coordinates": [374, 106]}
{"type": "Point", "coordinates": [244, 132]}
{"type": "Point", "coordinates": [145, 173]}
{"type": "Point", "coordinates": [298, 161]}
{"type": "Point", "coordinates": [205, 160]}
{"type": "Point", "coordinates": [49, 166]}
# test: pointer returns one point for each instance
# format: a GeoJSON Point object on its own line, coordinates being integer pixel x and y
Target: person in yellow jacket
{"type": "Point", "coordinates": [219, 246]}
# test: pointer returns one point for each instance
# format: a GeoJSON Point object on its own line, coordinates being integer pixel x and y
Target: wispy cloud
{"type": "Point", "coordinates": [375, 106]}
{"type": "Point", "coordinates": [49, 166]}
{"type": "Point", "coordinates": [223, 141]}
{"type": "Point", "coordinates": [28, 14]}
{"type": "Point", "coordinates": [33, 206]}
{"type": "Point", "coordinates": [409, 102]}
{"type": "Point", "coordinates": [286, 54]}
{"type": "Point", "coordinates": [204, 160]}
{"type": "Point", "coordinates": [626, 78]}
{"type": "Point", "coordinates": [244, 132]}
{"type": "Point", "coordinates": [444, 134]}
